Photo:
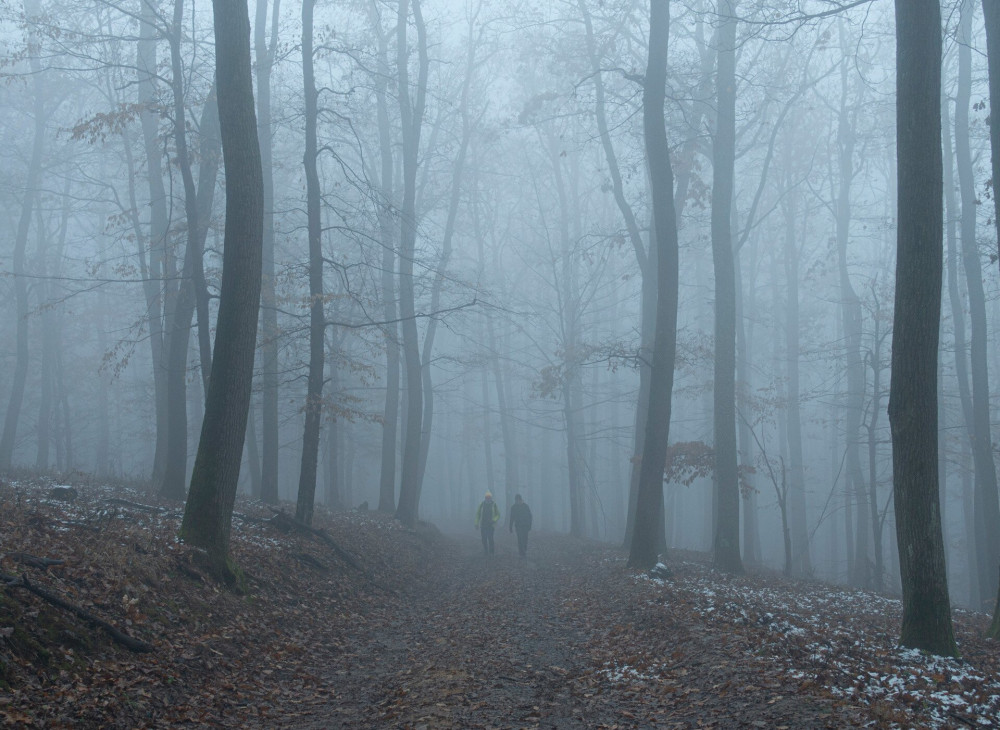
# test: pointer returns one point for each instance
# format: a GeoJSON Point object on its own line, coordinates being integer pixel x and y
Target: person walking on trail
{"type": "Point", "coordinates": [520, 519]}
{"type": "Point", "coordinates": [486, 517]}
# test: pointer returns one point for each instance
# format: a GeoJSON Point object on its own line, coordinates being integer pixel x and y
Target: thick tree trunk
{"type": "Point", "coordinates": [649, 503]}
{"type": "Point", "coordinates": [913, 412]}
{"type": "Point", "coordinates": [314, 389]}
{"type": "Point", "coordinates": [208, 513]}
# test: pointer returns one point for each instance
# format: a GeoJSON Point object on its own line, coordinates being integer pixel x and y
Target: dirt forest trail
{"type": "Point", "coordinates": [501, 642]}
{"type": "Point", "coordinates": [363, 623]}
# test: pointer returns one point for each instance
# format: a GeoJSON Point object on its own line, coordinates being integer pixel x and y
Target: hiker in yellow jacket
{"type": "Point", "coordinates": [487, 516]}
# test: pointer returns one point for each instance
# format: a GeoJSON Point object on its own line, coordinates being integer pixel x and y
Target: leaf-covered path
{"type": "Point", "coordinates": [365, 624]}
{"type": "Point", "coordinates": [561, 640]}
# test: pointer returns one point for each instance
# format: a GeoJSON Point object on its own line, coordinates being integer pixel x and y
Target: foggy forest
{"type": "Point", "coordinates": [289, 287]}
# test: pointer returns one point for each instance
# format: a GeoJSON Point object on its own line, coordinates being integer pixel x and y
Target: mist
{"type": "Point", "coordinates": [478, 221]}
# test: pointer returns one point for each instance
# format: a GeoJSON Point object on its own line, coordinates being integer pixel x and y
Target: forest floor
{"type": "Point", "coordinates": [370, 625]}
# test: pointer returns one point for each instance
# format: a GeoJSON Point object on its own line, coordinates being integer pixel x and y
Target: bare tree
{"type": "Point", "coordinates": [265, 52]}
{"type": "Point", "coordinates": [40, 112]}
{"type": "Point", "coordinates": [649, 513]}
{"type": "Point", "coordinates": [314, 390]}
{"type": "Point", "coordinates": [727, 527]}
{"type": "Point", "coordinates": [208, 513]}
{"type": "Point", "coordinates": [913, 408]}
{"type": "Point", "coordinates": [412, 114]}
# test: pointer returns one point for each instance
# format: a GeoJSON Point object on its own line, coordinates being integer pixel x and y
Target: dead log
{"type": "Point", "coordinates": [286, 523]}
{"type": "Point", "coordinates": [311, 561]}
{"type": "Point", "coordinates": [129, 642]}
{"type": "Point", "coordinates": [134, 505]}
{"type": "Point", "coordinates": [34, 561]}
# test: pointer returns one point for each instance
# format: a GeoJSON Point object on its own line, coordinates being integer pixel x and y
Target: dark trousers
{"type": "Point", "coordinates": [487, 532]}
{"type": "Point", "coordinates": [522, 542]}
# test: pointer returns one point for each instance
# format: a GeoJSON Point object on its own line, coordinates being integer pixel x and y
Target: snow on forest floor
{"type": "Point", "coordinates": [844, 642]}
{"type": "Point", "coordinates": [583, 642]}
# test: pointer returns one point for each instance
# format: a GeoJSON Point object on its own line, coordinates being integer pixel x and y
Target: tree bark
{"type": "Point", "coordinates": [390, 418]}
{"type": "Point", "coordinates": [20, 376]}
{"type": "Point", "coordinates": [913, 408]}
{"type": "Point", "coordinates": [961, 363]}
{"type": "Point", "coordinates": [265, 53]}
{"type": "Point", "coordinates": [412, 118]}
{"type": "Point", "coordinates": [178, 327]}
{"type": "Point", "coordinates": [987, 525]}
{"type": "Point", "coordinates": [314, 390]}
{"type": "Point", "coordinates": [727, 529]}
{"type": "Point", "coordinates": [208, 513]}
{"type": "Point", "coordinates": [154, 261]}
{"type": "Point", "coordinates": [649, 503]}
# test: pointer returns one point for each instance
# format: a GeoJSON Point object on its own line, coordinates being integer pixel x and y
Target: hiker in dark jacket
{"type": "Point", "coordinates": [486, 517]}
{"type": "Point", "coordinates": [520, 520]}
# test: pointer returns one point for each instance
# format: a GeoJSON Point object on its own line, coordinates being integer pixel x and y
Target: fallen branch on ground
{"type": "Point", "coordinates": [134, 505]}
{"type": "Point", "coordinates": [129, 642]}
{"type": "Point", "coordinates": [34, 561]}
{"type": "Point", "coordinates": [287, 523]}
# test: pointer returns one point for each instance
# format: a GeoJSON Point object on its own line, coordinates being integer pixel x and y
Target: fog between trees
{"type": "Point", "coordinates": [458, 285]}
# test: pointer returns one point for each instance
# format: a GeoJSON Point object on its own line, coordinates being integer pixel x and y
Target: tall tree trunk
{"type": "Point", "coordinates": [334, 454]}
{"type": "Point", "coordinates": [649, 503]}
{"type": "Point", "coordinates": [178, 328]}
{"type": "Point", "coordinates": [875, 411]}
{"type": "Point", "coordinates": [796, 469]}
{"type": "Point", "coordinates": [155, 262]}
{"type": "Point", "coordinates": [208, 513]}
{"type": "Point", "coordinates": [50, 347]}
{"type": "Point", "coordinates": [991, 16]}
{"type": "Point", "coordinates": [913, 412]}
{"type": "Point", "coordinates": [727, 529]}
{"type": "Point", "coordinates": [28, 202]}
{"type": "Point", "coordinates": [210, 152]}
{"type": "Point", "coordinates": [961, 363]}
{"type": "Point", "coordinates": [386, 206]}
{"type": "Point", "coordinates": [647, 298]}
{"type": "Point", "coordinates": [253, 454]}
{"type": "Point", "coordinates": [412, 118]}
{"type": "Point", "coordinates": [490, 476]}
{"type": "Point", "coordinates": [512, 480]}
{"type": "Point", "coordinates": [265, 54]}
{"type": "Point", "coordinates": [987, 527]}
{"type": "Point", "coordinates": [744, 379]}
{"type": "Point", "coordinates": [314, 391]}
{"type": "Point", "coordinates": [427, 421]}
{"type": "Point", "coordinates": [850, 312]}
